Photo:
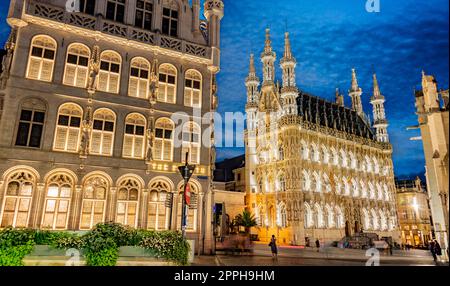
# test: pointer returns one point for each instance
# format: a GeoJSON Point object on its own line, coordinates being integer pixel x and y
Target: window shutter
{"type": "Point", "coordinates": [107, 144]}
{"type": "Point", "coordinates": [187, 97]}
{"type": "Point", "coordinates": [60, 138]}
{"type": "Point", "coordinates": [143, 84]}
{"type": "Point", "coordinates": [152, 215]}
{"type": "Point", "coordinates": [82, 77]}
{"type": "Point", "coordinates": [102, 81]}
{"type": "Point", "coordinates": [69, 77]}
{"type": "Point", "coordinates": [167, 150]}
{"type": "Point", "coordinates": [33, 69]}
{"type": "Point", "coordinates": [171, 94]}
{"type": "Point", "coordinates": [95, 142]}
{"type": "Point", "coordinates": [162, 92]}
{"type": "Point", "coordinates": [127, 146]}
{"type": "Point", "coordinates": [194, 155]}
{"type": "Point", "coordinates": [47, 69]}
{"type": "Point", "coordinates": [138, 147]}
{"type": "Point", "coordinates": [158, 150]}
{"type": "Point", "coordinates": [72, 139]}
{"type": "Point", "coordinates": [196, 98]}
{"type": "Point", "coordinates": [113, 83]}
{"type": "Point", "coordinates": [133, 87]}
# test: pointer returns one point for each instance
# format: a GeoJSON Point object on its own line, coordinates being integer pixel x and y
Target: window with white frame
{"type": "Point", "coordinates": [167, 83]}
{"type": "Point", "coordinates": [31, 124]}
{"type": "Point", "coordinates": [102, 137]}
{"type": "Point", "coordinates": [109, 74]}
{"type": "Point", "coordinates": [17, 200]}
{"type": "Point", "coordinates": [41, 60]}
{"type": "Point", "coordinates": [144, 14]}
{"type": "Point", "coordinates": [191, 142]}
{"type": "Point", "coordinates": [93, 205]}
{"type": "Point", "coordinates": [134, 137]}
{"type": "Point", "coordinates": [191, 212]}
{"type": "Point", "coordinates": [128, 202]}
{"type": "Point", "coordinates": [68, 128]}
{"type": "Point", "coordinates": [115, 10]}
{"type": "Point", "coordinates": [193, 89]}
{"type": "Point", "coordinates": [139, 78]}
{"type": "Point", "coordinates": [77, 66]}
{"type": "Point", "coordinates": [158, 214]}
{"type": "Point", "coordinates": [163, 150]}
{"type": "Point", "coordinates": [57, 202]}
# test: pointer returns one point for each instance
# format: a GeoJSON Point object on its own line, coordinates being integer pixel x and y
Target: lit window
{"type": "Point", "coordinates": [163, 150]}
{"type": "Point", "coordinates": [309, 222]}
{"type": "Point", "coordinates": [109, 75]}
{"type": "Point", "coordinates": [31, 124]}
{"type": "Point", "coordinates": [191, 142]}
{"type": "Point", "coordinates": [139, 78]}
{"type": "Point", "coordinates": [57, 202]}
{"type": "Point", "coordinates": [17, 201]}
{"type": "Point", "coordinates": [128, 202]}
{"type": "Point", "coordinates": [144, 14]}
{"type": "Point", "coordinates": [94, 202]}
{"type": "Point", "coordinates": [170, 21]}
{"type": "Point", "coordinates": [67, 135]}
{"type": "Point", "coordinates": [193, 89]}
{"type": "Point", "coordinates": [134, 138]}
{"type": "Point", "coordinates": [115, 10]}
{"type": "Point", "coordinates": [158, 214]}
{"type": "Point", "coordinates": [76, 72]}
{"type": "Point", "coordinates": [191, 213]}
{"type": "Point", "coordinates": [167, 83]}
{"type": "Point", "coordinates": [102, 138]}
{"type": "Point", "coordinates": [42, 58]}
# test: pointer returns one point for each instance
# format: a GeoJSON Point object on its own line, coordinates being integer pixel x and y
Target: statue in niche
{"type": "Point", "coordinates": [154, 83]}
{"type": "Point", "coordinates": [7, 59]}
{"type": "Point", "coordinates": [150, 143]}
{"type": "Point", "coordinates": [85, 135]}
{"type": "Point", "coordinates": [94, 69]}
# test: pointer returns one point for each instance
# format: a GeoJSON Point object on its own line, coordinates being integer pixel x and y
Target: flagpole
{"type": "Point", "coordinates": [183, 214]}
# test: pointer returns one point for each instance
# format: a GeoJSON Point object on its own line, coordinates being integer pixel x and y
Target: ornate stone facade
{"type": "Point", "coordinates": [315, 169]}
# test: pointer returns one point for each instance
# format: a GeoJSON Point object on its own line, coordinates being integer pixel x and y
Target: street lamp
{"type": "Point", "coordinates": [186, 172]}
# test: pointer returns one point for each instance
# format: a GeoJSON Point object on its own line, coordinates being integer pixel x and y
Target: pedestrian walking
{"type": "Point", "coordinates": [273, 247]}
{"type": "Point", "coordinates": [318, 245]}
{"type": "Point", "coordinates": [433, 250]}
{"type": "Point", "coordinates": [437, 247]}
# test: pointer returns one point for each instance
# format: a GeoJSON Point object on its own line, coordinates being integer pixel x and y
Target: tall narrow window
{"type": "Point", "coordinates": [139, 78]}
{"type": "Point", "coordinates": [57, 202]}
{"type": "Point", "coordinates": [193, 89]}
{"type": "Point", "coordinates": [158, 218]}
{"type": "Point", "coordinates": [115, 10]}
{"type": "Point", "coordinates": [164, 140]}
{"type": "Point", "coordinates": [42, 58]}
{"type": "Point", "coordinates": [68, 128]}
{"type": "Point", "coordinates": [109, 75]}
{"type": "Point", "coordinates": [144, 14]}
{"type": "Point", "coordinates": [87, 7]}
{"type": "Point", "coordinates": [102, 138]}
{"type": "Point", "coordinates": [170, 21]}
{"type": "Point", "coordinates": [167, 83]}
{"type": "Point", "coordinates": [94, 202]}
{"type": "Point", "coordinates": [191, 213]}
{"type": "Point", "coordinates": [17, 201]}
{"type": "Point", "coordinates": [134, 138]}
{"type": "Point", "coordinates": [31, 124]}
{"type": "Point", "coordinates": [128, 202]}
{"type": "Point", "coordinates": [76, 71]}
{"type": "Point", "coordinates": [191, 142]}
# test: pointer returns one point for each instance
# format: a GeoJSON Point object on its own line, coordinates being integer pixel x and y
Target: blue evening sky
{"type": "Point", "coordinates": [329, 37]}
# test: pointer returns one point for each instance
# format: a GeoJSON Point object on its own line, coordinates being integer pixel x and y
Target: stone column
{"type": "Point", "coordinates": [142, 220]}
{"type": "Point", "coordinates": [74, 217]}
{"type": "Point", "coordinates": [38, 205]}
{"type": "Point", "coordinates": [2, 193]}
{"type": "Point", "coordinates": [175, 211]}
{"type": "Point", "coordinates": [157, 16]}
{"type": "Point", "coordinates": [101, 7]}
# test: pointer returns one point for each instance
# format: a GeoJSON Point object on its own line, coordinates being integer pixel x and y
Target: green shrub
{"type": "Point", "coordinates": [10, 237]}
{"type": "Point", "coordinates": [103, 252]}
{"type": "Point", "coordinates": [13, 255]}
{"type": "Point", "coordinates": [68, 242]}
{"type": "Point", "coordinates": [167, 244]}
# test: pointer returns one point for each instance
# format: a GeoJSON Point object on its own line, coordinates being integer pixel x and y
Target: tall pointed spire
{"type": "Point", "coordinates": [287, 46]}
{"type": "Point", "coordinates": [289, 92]}
{"type": "Point", "coordinates": [252, 70]}
{"type": "Point", "coordinates": [355, 94]}
{"type": "Point", "coordinates": [379, 116]}
{"type": "Point", "coordinates": [268, 43]}
{"type": "Point", "coordinates": [268, 58]}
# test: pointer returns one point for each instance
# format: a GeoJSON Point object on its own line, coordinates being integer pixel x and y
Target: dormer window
{"type": "Point", "coordinates": [115, 10]}
{"type": "Point", "coordinates": [144, 14]}
{"type": "Point", "coordinates": [87, 7]}
{"type": "Point", "coordinates": [170, 22]}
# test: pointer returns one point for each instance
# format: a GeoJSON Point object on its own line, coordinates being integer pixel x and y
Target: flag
{"type": "Point", "coordinates": [187, 194]}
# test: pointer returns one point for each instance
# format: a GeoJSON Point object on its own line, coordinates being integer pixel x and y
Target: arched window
{"type": "Point", "coordinates": [306, 181]}
{"type": "Point", "coordinates": [57, 202]}
{"type": "Point", "coordinates": [17, 201]}
{"type": "Point", "coordinates": [134, 137]}
{"type": "Point", "coordinates": [109, 75]}
{"type": "Point", "coordinates": [330, 223]}
{"type": "Point", "coordinates": [94, 202]}
{"type": "Point", "coordinates": [366, 220]}
{"type": "Point", "coordinates": [191, 142]}
{"type": "Point", "coordinates": [281, 215]}
{"type": "Point", "coordinates": [192, 213]}
{"type": "Point", "coordinates": [309, 222]}
{"type": "Point", "coordinates": [158, 214]}
{"type": "Point", "coordinates": [170, 18]}
{"type": "Point", "coordinates": [139, 78]}
{"type": "Point", "coordinates": [355, 188]}
{"type": "Point", "coordinates": [68, 128]}
{"type": "Point", "coordinates": [31, 123]}
{"type": "Point", "coordinates": [128, 202]}
{"type": "Point", "coordinates": [102, 138]}
{"type": "Point", "coordinates": [304, 151]}
{"type": "Point", "coordinates": [325, 155]}
{"type": "Point", "coordinates": [167, 83]}
{"type": "Point", "coordinates": [77, 65]}
{"type": "Point", "coordinates": [375, 222]}
{"type": "Point", "coordinates": [318, 216]}
{"type": "Point", "coordinates": [281, 184]}
{"type": "Point", "coordinates": [339, 218]}
{"type": "Point", "coordinates": [193, 89]}
{"type": "Point", "coordinates": [41, 60]}
{"type": "Point", "coordinates": [164, 140]}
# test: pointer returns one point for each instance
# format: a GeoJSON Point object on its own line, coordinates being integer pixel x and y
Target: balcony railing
{"type": "Point", "coordinates": [89, 22]}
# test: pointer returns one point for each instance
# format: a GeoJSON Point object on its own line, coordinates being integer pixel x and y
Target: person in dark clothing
{"type": "Point", "coordinates": [437, 247]}
{"type": "Point", "coordinates": [273, 247]}
{"type": "Point", "coordinates": [318, 245]}
{"type": "Point", "coordinates": [433, 250]}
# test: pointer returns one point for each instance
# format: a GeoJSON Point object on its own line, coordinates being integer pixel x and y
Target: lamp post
{"type": "Point", "coordinates": [186, 172]}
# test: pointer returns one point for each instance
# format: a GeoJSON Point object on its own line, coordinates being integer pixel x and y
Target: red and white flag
{"type": "Point", "coordinates": [187, 194]}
